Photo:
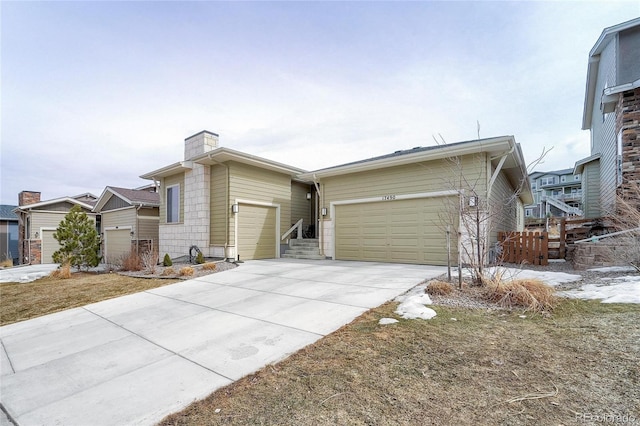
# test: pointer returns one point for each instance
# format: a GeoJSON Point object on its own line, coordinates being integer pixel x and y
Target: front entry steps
{"type": "Point", "coordinates": [307, 248]}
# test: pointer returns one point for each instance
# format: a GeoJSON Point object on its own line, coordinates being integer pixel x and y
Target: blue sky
{"type": "Point", "coordinates": [98, 93]}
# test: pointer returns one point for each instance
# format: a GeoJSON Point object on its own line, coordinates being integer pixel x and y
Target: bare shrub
{"type": "Point", "coordinates": [168, 272]}
{"type": "Point", "coordinates": [150, 260]}
{"type": "Point", "coordinates": [531, 294]}
{"type": "Point", "coordinates": [186, 271]}
{"type": "Point", "coordinates": [131, 262]}
{"type": "Point", "coordinates": [7, 263]}
{"type": "Point", "coordinates": [627, 218]}
{"type": "Point", "coordinates": [63, 272]}
{"type": "Point", "coordinates": [439, 288]}
{"type": "Point", "coordinates": [209, 266]}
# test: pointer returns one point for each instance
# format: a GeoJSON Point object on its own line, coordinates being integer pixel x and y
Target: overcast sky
{"type": "Point", "coordinates": [98, 93]}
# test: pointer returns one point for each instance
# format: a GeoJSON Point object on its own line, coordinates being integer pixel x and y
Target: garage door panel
{"type": "Point", "coordinates": [256, 232]}
{"type": "Point", "coordinates": [117, 244]}
{"type": "Point", "coordinates": [405, 231]}
{"type": "Point", "coordinates": [49, 246]}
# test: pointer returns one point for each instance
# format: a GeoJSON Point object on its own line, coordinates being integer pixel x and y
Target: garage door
{"type": "Point", "coordinates": [49, 246]}
{"type": "Point", "coordinates": [403, 231]}
{"type": "Point", "coordinates": [256, 232]}
{"type": "Point", "coordinates": [117, 244]}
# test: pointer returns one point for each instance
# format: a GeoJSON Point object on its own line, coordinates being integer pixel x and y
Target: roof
{"type": "Point", "coordinates": [577, 169]}
{"type": "Point", "coordinates": [497, 147]}
{"type": "Point", "coordinates": [86, 205]}
{"type": "Point", "coordinates": [608, 34]}
{"type": "Point", "coordinates": [6, 212]}
{"type": "Point", "coordinates": [135, 197]}
{"type": "Point", "coordinates": [553, 172]}
{"type": "Point", "coordinates": [221, 155]}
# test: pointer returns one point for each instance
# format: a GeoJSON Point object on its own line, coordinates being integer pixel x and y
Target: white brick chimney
{"type": "Point", "coordinates": [199, 143]}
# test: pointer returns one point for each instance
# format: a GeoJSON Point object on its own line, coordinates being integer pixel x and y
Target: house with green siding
{"type": "Point", "coordinates": [404, 207]}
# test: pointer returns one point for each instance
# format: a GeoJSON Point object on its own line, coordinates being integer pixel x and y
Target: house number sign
{"type": "Point", "coordinates": [388, 197]}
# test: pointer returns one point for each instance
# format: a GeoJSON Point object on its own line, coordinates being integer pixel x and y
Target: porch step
{"type": "Point", "coordinates": [306, 248]}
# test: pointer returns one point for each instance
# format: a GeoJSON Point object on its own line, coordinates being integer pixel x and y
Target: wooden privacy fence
{"type": "Point", "coordinates": [524, 247]}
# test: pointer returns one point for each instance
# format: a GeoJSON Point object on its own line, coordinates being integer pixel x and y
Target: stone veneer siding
{"type": "Point", "coordinates": [628, 121]}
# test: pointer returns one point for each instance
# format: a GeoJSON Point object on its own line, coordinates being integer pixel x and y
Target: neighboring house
{"type": "Point", "coordinates": [129, 221]}
{"type": "Point", "coordinates": [555, 193]}
{"type": "Point", "coordinates": [391, 208]}
{"type": "Point", "coordinates": [612, 114]}
{"type": "Point", "coordinates": [8, 233]}
{"type": "Point", "coordinates": [227, 203]}
{"type": "Point", "coordinates": [38, 220]}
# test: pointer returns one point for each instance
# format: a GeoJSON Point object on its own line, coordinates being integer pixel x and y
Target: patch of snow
{"type": "Point", "coordinates": [413, 307]}
{"type": "Point", "coordinates": [26, 274]}
{"type": "Point", "coordinates": [386, 321]}
{"type": "Point", "coordinates": [613, 269]}
{"type": "Point", "coordinates": [622, 290]}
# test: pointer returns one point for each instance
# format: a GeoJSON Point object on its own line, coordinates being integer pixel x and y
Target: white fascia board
{"type": "Point", "coordinates": [169, 170]}
{"type": "Point", "coordinates": [577, 169]}
{"type": "Point", "coordinates": [220, 155]}
{"type": "Point", "coordinates": [106, 196]}
{"type": "Point", "coordinates": [54, 201]}
{"type": "Point", "coordinates": [445, 151]}
{"type": "Point", "coordinates": [611, 91]}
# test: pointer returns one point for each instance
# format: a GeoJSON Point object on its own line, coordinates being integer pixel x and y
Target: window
{"type": "Point", "coordinates": [527, 212]}
{"type": "Point", "coordinates": [173, 204]}
{"type": "Point", "coordinates": [563, 179]}
{"type": "Point", "coordinates": [547, 180]}
{"type": "Point", "coordinates": [576, 178]}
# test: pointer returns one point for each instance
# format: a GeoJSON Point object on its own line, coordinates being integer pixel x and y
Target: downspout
{"type": "Point", "coordinates": [137, 233]}
{"type": "Point", "coordinates": [320, 199]}
{"type": "Point", "coordinates": [227, 207]}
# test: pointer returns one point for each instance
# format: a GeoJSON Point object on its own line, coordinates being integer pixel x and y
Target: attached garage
{"type": "Point", "coordinates": [117, 243]}
{"type": "Point", "coordinates": [257, 232]}
{"type": "Point", "coordinates": [402, 231]}
{"type": "Point", "coordinates": [49, 245]}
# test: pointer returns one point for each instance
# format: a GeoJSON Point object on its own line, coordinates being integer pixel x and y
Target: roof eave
{"type": "Point", "coordinates": [445, 151]}
{"type": "Point", "coordinates": [169, 170]}
{"type": "Point", "coordinates": [221, 155]}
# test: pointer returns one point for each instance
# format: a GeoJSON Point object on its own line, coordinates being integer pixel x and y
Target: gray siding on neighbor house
{"type": "Point", "coordinates": [114, 203]}
{"type": "Point", "coordinates": [57, 207]}
{"type": "Point", "coordinates": [629, 56]}
{"type": "Point", "coordinates": [590, 191]}
{"type": "Point", "coordinates": [603, 133]}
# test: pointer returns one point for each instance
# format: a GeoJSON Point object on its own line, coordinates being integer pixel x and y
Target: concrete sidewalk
{"type": "Point", "coordinates": [138, 358]}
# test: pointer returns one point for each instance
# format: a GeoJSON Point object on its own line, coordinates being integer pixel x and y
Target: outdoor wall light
{"type": "Point", "coordinates": [308, 195]}
{"type": "Point", "coordinates": [235, 208]}
{"type": "Point", "coordinates": [323, 211]}
{"type": "Point", "coordinates": [473, 201]}
{"type": "Point", "coordinates": [131, 233]}
{"type": "Point", "coordinates": [37, 235]}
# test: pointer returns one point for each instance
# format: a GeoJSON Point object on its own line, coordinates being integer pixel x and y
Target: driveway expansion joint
{"type": "Point", "coordinates": [156, 344]}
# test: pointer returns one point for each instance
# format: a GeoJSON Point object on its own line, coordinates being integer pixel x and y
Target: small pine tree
{"type": "Point", "coordinates": [199, 258]}
{"type": "Point", "coordinates": [166, 261]}
{"type": "Point", "coordinates": [79, 241]}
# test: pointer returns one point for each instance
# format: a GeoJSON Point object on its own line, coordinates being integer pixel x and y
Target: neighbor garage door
{"type": "Point", "coordinates": [117, 244]}
{"type": "Point", "coordinates": [256, 232]}
{"type": "Point", "coordinates": [404, 231]}
{"type": "Point", "coordinates": [49, 246]}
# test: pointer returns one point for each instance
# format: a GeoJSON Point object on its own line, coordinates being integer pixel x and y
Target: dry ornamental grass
{"type": "Point", "coordinates": [531, 294]}
{"type": "Point", "coordinates": [439, 288]}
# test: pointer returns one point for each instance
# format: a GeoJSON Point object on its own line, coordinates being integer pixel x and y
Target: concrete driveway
{"type": "Point", "coordinates": [138, 358]}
